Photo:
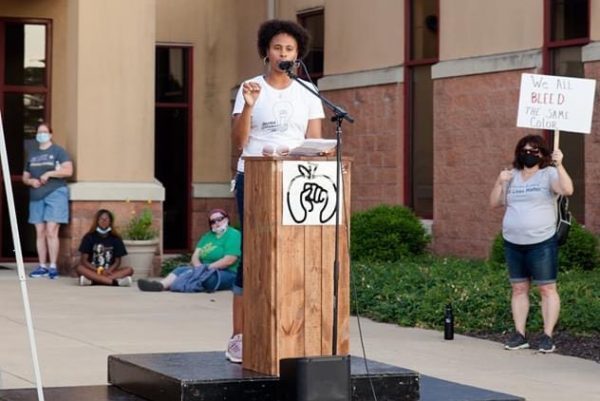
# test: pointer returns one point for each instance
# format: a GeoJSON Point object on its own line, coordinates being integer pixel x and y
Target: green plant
{"type": "Point", "coordinates": [580, 252]}
{"type": "Point", "coordinates": [413, 292]}
{"type": "Point", "coordinates": [169, 264]}
{"type": "Point", "coordinates": [387, 233]}
{"type": "Point", "coordinates": [140, 227]}
{"type": "Point", "coordinates": [581, 249]}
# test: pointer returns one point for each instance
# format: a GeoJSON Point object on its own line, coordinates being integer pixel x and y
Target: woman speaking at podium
{"type": "Point", "coordinates": [272, 114]}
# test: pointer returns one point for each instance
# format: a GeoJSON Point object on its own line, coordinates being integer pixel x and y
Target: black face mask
{"type": "Point", "coordinates": [529, 160]}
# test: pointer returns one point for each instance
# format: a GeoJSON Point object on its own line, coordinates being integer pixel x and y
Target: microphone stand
{"type": "Point", "coordinates": [339, 116]}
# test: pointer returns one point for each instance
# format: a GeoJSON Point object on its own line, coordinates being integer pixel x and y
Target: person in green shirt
{"type": "Point", "coordinates": [213, 265]}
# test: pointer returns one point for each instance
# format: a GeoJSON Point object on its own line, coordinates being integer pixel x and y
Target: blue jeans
{"type": "Point", "coordinates": [535, 262]}
{"type": "Point", "coordinates": [238, 285]}
{"type": "Point", "coordinates": [225, 279]}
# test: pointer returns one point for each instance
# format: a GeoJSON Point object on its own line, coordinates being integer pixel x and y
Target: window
{"type": "Point", "coordinates": [24, 102]}
{"type": "Point", "coordinates": [566, 31]}
{"type": "Point", "coordinates": [173, 142]}
{"type": "Point", "coordinates": [569, 19]}
{"type": "Point", "coordinates": [314, 22]}
{"type": "Point", "coordinates": [421, 52]}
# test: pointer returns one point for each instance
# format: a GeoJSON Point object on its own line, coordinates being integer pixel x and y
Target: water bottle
{"type": "Point", "coordinates": [448, 323]}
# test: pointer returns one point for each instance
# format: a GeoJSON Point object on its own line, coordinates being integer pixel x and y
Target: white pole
{"type": "Point", "coordinates": [10, 201]}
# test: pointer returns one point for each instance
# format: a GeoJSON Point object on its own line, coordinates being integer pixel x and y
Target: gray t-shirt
{"type": "Point", "coordinates": [530, 216]}
{"type": "Point", "coordinates": [38, 162]}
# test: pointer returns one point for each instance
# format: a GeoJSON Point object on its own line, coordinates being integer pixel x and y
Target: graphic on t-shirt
{"type": "Point", "coordinates": [282, 112]}
{"type": "Point", "coordinates": [102, 256]}
{"type": "Point", "coordinates": [206, 249]}
{"type": "Point", "coordinates": [44, 159]}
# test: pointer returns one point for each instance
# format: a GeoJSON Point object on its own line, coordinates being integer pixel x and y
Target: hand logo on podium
{"type": "Point", "coordinates": [310, 193]}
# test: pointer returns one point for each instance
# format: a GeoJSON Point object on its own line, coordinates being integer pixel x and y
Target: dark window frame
{"type": "Point", "coordinates": [301, 18]}
{"type": "Point", "coordinates": [189, 106]}
{"type": "Point", "coordinates": [45, 89]}
{"type": "Point", "coordinates": [548, 47]}
{"type": "Point", "coordinates": [409, 63]}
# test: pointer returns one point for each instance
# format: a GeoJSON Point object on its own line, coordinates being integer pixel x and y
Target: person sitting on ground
{"type": "Point", "coordinates": [213, 265]}
{"type": "Point", "coordinates": [101, 251]}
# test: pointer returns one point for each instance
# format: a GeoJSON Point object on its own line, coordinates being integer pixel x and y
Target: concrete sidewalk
{"type": "Point", "coordinates": [78, 327]}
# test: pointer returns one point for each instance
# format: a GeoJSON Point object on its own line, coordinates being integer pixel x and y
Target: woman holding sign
{"type": "Point", "coordinates": [528, 191]}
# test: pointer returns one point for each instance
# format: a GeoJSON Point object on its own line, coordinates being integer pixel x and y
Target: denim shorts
{"type": "Point", "coordinates": [54, 208]}
{"type": "Point", "coordinates": [535, 262]}
{"type": "Point", "coordinates": [238, 285]}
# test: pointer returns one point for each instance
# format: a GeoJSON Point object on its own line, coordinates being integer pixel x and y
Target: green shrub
{"type": "Point", "coordinates": [386, 233]}
{"type": "Point", "coordinates": [581, 249]}
{"type": "Point", "coordinates": [497, 251]}
{"type": "Point", "coordinates": [169, 264]}
{"type": "Point", "coordinates": [414, 292]}
{"type": "Point", "coordinates": [580, 252]}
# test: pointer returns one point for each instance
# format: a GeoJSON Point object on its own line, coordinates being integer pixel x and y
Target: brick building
{"type": "Point", "coordinates": [140, 91]}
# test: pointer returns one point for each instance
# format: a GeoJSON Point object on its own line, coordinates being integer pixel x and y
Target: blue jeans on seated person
{"type": "Point", "coordinates": [224, 280]}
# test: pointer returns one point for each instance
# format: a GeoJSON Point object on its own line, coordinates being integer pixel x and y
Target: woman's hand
{"type": "Point", "coordinates": [504, 177]}
{"type": "Point", "coordinates": [499, 191]}
{"type": "Point", "coordinates": [45, 177]}
{"type": "Point", "coordinates": [557, 157]}
{"type": "Point", "coordinates": [251, 91]}
{"type": "Point", "coordinates": [35, 183]}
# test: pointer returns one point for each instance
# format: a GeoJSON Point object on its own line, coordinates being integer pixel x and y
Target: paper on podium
{"type": "Point", "coordinates": [314, 147]}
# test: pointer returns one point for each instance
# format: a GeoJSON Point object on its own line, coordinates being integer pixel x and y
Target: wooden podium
{"type": "Point", "coordinates": [288, 273]}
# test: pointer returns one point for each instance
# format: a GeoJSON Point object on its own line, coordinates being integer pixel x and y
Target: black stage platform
{"type": "Point", "coordinates": [207, 376]}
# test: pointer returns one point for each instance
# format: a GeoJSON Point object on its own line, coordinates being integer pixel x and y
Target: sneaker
{"type": "Point", "coordinates": [149, 285]}
{"type": "Point", "coordinates": [39, 272]}
{"type": "Point", "coordinates": [83, 281]}
{"type": "Point", "coordinates": [52, 273]}
{"type": "Point", "coordinates": [516, 341]}
{"type": "Point", "coordinates": [125, 281]}
{"type": "Point", "coordinates": [546, 344]}
{"type": "Point", "coordinates": [234, 349]}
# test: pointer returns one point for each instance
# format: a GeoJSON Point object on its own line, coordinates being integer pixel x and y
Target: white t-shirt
{"type": "Point", "coordinates": [279, 117]}
{"type": "Point", "coordinates": [530, 216]}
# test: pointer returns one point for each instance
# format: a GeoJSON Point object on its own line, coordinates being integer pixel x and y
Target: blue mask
{"type": "Point", "coordinates": [42, 137]}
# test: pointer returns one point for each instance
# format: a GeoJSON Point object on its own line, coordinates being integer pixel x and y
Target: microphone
{"type": "Point", "coordinates": [286, 65]}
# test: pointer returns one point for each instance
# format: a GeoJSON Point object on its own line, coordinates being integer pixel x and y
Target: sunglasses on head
{"type": "Point", "coordinates": [216, 220]}
{"type": "Point", "coordinates": [532, 151]}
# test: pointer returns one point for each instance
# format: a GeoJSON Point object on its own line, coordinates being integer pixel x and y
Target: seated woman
{"type": "Point", "coordinates": [101, 251]}
{"type": "Point", "coordinates": [214, 263]}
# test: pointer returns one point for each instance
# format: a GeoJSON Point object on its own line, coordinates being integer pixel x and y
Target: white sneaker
{"type": "Point", "coordinates": [83, 281]}
{"type": "Point", "coordinates": [125, 281]}
{"type": "Point", "coordinates": [234, 349]}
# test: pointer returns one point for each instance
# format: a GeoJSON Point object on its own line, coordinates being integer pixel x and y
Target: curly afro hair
{"type": "Point", "coordinates": [273, 27]}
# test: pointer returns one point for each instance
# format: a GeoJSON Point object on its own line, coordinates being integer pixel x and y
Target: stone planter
{"type": "Point", "coordinates": [140, 256]}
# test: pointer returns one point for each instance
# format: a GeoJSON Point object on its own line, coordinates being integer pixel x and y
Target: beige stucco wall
{"type": "Point", "coordinates": [363, 35]}
{"type": "Point", "coordinates": [594, 20]}
{"type": "Point", "coordinates": [114, 98]}
{"type": "Point", "coordinates": [102, 99]}
{"type": "Point", "coordinates": [222, 35]}
{"type": "Point", "coordinates": [471, 28]}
